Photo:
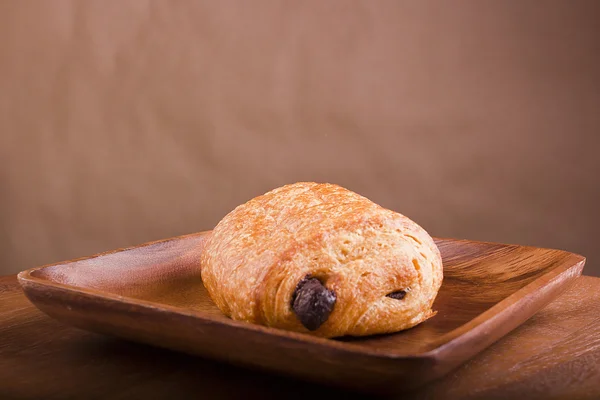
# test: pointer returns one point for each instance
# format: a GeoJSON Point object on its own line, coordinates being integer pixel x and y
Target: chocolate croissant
{"type": "Point", "coordinates": [320, 259]}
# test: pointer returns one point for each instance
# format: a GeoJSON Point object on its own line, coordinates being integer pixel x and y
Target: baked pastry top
{"type": "Point", "coordinates": [321, 259]}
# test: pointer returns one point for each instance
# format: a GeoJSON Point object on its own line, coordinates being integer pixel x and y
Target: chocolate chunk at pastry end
{"type": "Point", "coordinates": [312, 303]}
{"type": "Point", "coordinates": [398, 295]}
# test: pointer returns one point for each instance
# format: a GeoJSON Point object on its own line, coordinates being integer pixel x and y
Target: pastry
{"type": "Point", "coordinates": [323, 260]}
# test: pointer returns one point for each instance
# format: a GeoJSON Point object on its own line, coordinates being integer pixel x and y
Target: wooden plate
{"type": "Point", "coordinates": [153, 293]}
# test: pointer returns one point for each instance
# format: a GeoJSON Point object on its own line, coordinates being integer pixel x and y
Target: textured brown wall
{"type": "Point", "coordinates": [123, 122]}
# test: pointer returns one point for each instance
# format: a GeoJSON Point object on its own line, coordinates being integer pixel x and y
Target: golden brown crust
{"type": "Point", "coordinates": [259, 252]}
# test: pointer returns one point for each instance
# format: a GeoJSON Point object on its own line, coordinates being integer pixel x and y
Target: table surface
{"type": "Point", "coordinates": [554, 355]}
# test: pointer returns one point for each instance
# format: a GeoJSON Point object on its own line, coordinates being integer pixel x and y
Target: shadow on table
{"type": "Point", "coordinates": [160, 373]}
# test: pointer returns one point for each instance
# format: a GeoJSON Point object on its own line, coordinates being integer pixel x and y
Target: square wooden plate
{"type": "Point", "coordinates": [153, 293]}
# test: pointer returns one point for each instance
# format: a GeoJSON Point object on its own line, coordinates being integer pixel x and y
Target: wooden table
{"type": "Point", "coordinates": [555, 355]}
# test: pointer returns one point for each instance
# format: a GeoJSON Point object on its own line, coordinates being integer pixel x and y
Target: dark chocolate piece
{"type": "Point", "coordinates": [398, 295]}
{"type": "Point", "coordinates": [312, 302]}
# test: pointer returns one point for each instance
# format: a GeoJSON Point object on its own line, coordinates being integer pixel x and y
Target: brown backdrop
{"type": "Point", "coordinates": [124, 122]}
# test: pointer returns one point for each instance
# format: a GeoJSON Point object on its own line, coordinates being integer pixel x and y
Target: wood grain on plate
{"type": "Point", "coordinates": [153, 294]}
